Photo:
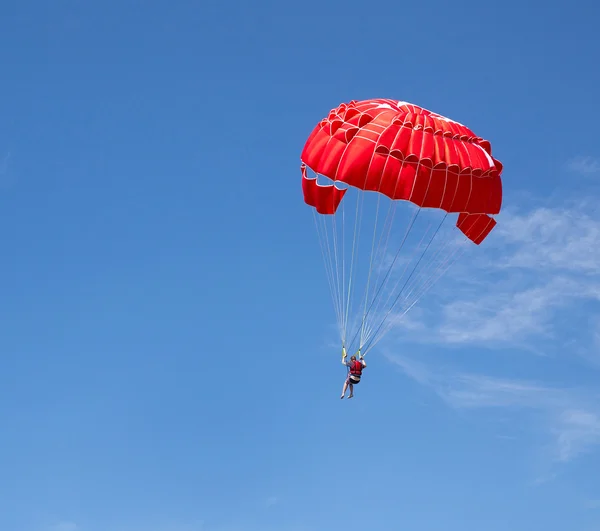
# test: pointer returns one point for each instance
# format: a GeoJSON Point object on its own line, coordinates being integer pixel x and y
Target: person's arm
{"type": "Point", "coordinates": [362, 360]}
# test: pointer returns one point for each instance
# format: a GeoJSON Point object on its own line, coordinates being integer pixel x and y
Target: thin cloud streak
{"type": "Point", "coordinates": [570, 417]}
{"type": "Point", "coordinates": [584, 165]}
{"type": "Point", "coordinates": [543, 264]}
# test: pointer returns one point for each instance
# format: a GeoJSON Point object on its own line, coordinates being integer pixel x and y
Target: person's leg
{"type": "Point", "coordinates": [351, 391]}
{"type": "Point", "coordinates": [344, 389]}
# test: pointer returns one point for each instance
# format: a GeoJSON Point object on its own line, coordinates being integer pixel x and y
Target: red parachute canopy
{"type": "Point", "coordinates": [404, 152]}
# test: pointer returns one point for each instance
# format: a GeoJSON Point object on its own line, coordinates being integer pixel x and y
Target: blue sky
{"type": "Point", "coordinates": [167, 354]}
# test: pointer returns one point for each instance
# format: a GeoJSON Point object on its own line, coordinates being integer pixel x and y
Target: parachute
{"type": "Point", "coordinates": [408, 170]}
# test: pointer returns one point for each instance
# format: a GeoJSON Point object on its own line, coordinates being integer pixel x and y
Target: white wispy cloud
{"type": "Point", "coordinates": [530, 284]}
{"type": "Point", "coordinates": [577, 431]}
{"type": "Point", "coordinates": [534, 287]}
{"type": "Point", "coordinates": [570, 417]}
{"type": "Point", "coordinates": [547, 239]}
{"type": "Point", "coordinates": [584, 165]}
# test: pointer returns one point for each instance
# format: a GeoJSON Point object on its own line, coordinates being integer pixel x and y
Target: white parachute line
{"type": "Point", "coordinates": [415, 215]}
{"type": "Point", "coordinates": [383, 330]}
{"type": "Point", "coordinates": [390, 295]}
{"type": "Point", "coordinates": [376, 300]}
{"type": "Point", "coordinates": [438, 273]}
{"type": "Point", "coordinates": [337, 268]}
{"type": "Point", "coordinates": [408, 262]}
{"type": "Point", "coordinates": [399, 294]}
{"type": "Point", "coordinates": [457, 253]}
{"type": "Point", "coordinates": [328, 240]}
{"type": "Point", "coordinates": [450, 262]}
{"type": "Point", "coordinates": [425, 270]}
{"type": "Point", "coordinates": [366, 297]}
{"type": "Point", "coordinates": [355, 241]}
{"type": "Point", "coordinates": [326, 261]}
{"type": "Point", "coordinates": [425, 273]}
{"type": "Point", "coordinates": [386, 231]}
{"type": "Point", "coordinates": [343, 336]}
{"type": "Point", "coordinates": [336, 289]}
{"type": "Point", "coordinates": [328, 271]}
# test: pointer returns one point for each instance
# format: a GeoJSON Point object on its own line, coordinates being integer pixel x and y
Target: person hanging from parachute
{"type": "Point", "coordinates": [425, 169]}
{"type": "Point", "coordinates": [355, 369]}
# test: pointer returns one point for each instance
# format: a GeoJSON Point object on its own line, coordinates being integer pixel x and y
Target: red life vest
{"type": "Point", "coordinates": [356, 368]}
